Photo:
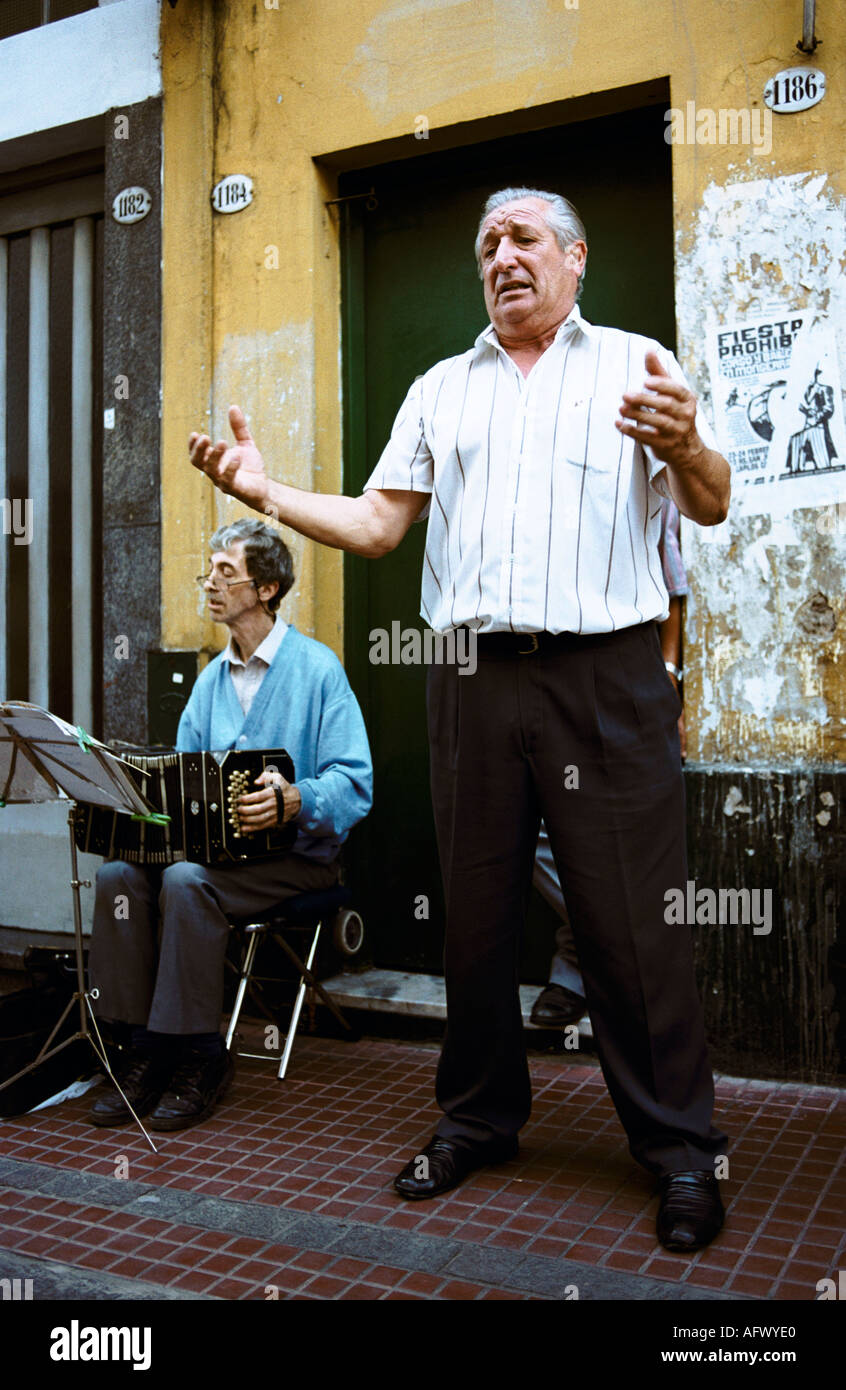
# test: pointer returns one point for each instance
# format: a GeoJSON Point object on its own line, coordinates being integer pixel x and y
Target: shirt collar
{"type": "Point", "coordinates": [266, 649]}
{"type": "Point", "coordinates": [574, 320]}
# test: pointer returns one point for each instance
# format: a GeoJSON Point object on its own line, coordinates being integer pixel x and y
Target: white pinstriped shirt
{"type": "Point", "coordinates": [543, 516]}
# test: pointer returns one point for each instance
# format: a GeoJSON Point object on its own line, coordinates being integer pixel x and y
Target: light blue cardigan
{"type": "Point", "coordinates": [304, 704]}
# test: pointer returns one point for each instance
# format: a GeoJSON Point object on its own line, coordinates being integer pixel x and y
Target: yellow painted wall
{"type": "Point", "coordinates": [266, 88]}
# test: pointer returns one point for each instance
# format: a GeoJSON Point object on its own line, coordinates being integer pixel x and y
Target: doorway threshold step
{"type": "Point", "coordinates": [419, 996]}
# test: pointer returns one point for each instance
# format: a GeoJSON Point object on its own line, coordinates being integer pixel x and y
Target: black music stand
{"type": "Point", "coordinates": [43, 758]}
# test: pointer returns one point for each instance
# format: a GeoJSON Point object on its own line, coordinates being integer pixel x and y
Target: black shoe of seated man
{"type": "Point", "coordinates": [195, 1088]}
{"type": "Point", "coordinates": [143, 1078]}
{"type": "Point", "coordinates": [556, 1007]}
{"type": "Point", "coordinates": [690, 1212]}
{"type": "Point", "coordinates": [443, 1164]}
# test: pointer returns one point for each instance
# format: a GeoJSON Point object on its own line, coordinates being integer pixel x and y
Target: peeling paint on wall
{"type": "Point", "coordinates": [766, 614]}
{"type": "Point", "coordinates": [770, 244]}
{"type": "Point", "coordinates": [270, 376]}
{"type": "Point", "coordinates": [446, 47]}
{"type": "Point", "coordinates": [734, 803]}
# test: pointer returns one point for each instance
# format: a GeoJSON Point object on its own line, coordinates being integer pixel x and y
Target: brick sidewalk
{"type": "Point", "coordinates": [286, 1192]}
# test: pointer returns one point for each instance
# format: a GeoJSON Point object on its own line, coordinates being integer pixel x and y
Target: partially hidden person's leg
{"type": "Point", "coordinates": [562, 1001]}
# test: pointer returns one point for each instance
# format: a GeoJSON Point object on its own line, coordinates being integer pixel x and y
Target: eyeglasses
{"type": "Point", "coordinates": [216, 583]}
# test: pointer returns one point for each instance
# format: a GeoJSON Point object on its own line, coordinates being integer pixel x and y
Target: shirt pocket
{"type": "Point", "coordinates": [589, 437]}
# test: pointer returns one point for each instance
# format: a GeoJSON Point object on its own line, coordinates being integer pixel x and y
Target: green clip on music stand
{"type": "Point", "coordinates": [42, 758]}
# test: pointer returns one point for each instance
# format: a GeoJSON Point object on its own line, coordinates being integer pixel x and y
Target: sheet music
{"type": "Point", "coordinates": [43, 758]}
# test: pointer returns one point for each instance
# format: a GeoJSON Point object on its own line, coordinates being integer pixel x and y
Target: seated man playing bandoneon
{"type": "Point", "coordinates": [271, 688]}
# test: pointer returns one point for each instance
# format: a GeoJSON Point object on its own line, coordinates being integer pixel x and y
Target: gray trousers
{"type": "Point", "coordinates": [159, 936]}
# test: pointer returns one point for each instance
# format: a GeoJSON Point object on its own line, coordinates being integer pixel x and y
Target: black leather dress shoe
{"type": "Point", "coordinates": [144, 1079]}
{"type": "Point", "coordinates": [442, 1165]}
{"type": "Point", "coordinates": [556, 1007]}
{"type": "Point", "coordinates": [194, 1090]}
{"type": "Point", "coordinates": [691, 1210]}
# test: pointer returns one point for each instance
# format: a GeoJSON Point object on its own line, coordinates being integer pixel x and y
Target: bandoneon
{"type": "Point", "coordinates": [199, 792]}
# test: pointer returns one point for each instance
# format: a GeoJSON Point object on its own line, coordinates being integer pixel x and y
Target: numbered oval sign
{"type": "Point", "coordinates": [795, 89]}
{"type": "Point", "coordinates": [131, 204]}
{"type": "Point", "coordinates": [232, 194]}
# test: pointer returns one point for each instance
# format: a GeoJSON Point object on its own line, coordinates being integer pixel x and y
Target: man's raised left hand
{"type": "Point", "coordinates": [663, 416]}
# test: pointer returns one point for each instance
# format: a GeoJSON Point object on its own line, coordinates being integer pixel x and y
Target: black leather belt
{"type": "Point", "coordinates": [528, 643]}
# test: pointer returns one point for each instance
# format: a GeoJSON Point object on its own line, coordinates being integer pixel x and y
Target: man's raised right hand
{"type": "Point", "coordinates": [238, 471]}
{"type": "Point", "coordinates": [370, 525]}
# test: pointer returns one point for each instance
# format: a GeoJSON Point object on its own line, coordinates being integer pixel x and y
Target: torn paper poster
{"type": "Point", "coordinates": [807, 461]}
{"type": "Point", "coordinates": [778, 412]}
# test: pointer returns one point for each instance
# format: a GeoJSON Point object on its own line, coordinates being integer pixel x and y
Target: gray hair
{"type": "Point", "coordinates": [562, 219]}
{"type": "Point", "coordinates": [267, 557]}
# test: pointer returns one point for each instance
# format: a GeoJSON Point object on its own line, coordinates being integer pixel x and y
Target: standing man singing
{"type": "Point", "coordinates": [541, 457]}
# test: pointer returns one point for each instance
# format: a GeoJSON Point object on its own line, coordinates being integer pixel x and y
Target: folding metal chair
{"type": "Point", "coordinates": [309, 911]}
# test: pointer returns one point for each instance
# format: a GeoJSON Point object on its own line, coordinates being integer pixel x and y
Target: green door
{"type": "Point", "coordinates": [411, 295]}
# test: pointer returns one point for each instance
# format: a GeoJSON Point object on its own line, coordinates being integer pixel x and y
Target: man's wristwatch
{"type": "Point", "coordinates": [674, 671]}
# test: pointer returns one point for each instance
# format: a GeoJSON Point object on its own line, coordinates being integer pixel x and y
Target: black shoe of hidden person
{"type": "Point", "coordinates": [443, 1164]}
{"type": "Point", "coordinates": [691, 1212]}
{"type": "Point", "coordinates": [143, 1079]}
{"type": "Point", "coordinates": [557, 1007]}
{"type": "Point", "coordinates": [195, 1088]}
